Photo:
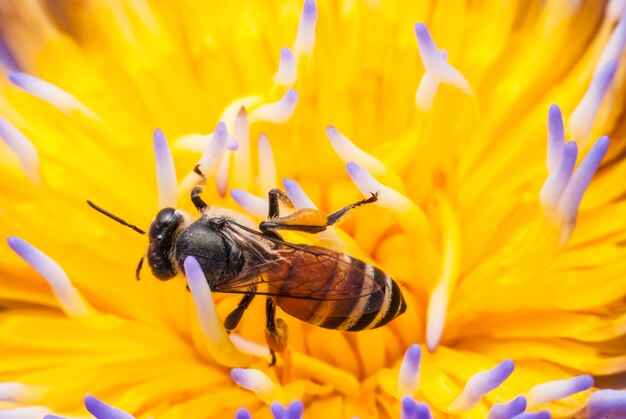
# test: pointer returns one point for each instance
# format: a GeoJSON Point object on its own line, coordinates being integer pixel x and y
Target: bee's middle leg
{"type": "Point", "coordinates": [232, 320]}
{"type": "Point", "coordinates": [275, 330]}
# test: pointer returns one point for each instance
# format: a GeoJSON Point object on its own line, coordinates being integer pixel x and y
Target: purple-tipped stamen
{"type": "Point", "coordinates": [23, 149]}
{"type": "Point", "coordinates": [615, 45]}
{"type": "Point", "coordinates": [102, 410]}
{"type": "Point", "coordinates": [50, 93]}
{"type": "Point", "coordinates": [221, 176]}
{"type": "Point", "coordinates": [296, 194]}
{"type": "Point", "coordinates": [409, 375]}
{"type": "Point", "coordinates": [19, 392]}
{"type": "Point", "coordinates": [7, 58]}
{"type": "Point", "coordinates": [243, 413]}
{"type": "Point", "coordinates": [584, 115]}
{"type": "Point", "coordinates": [509, 409]}
{"type": "Point", "coordinates": [558, 179]}
{"type": "Point", "coordinates": [556, 137]}
{"type": "Point", "coordinates": [559, 389]}
{"type": "Point", "coordinates": [434, 62]}
{"type": "Point", "coordinates": [349, 152]}
{"type": "Point", "coordinates": [287, 73]}
{"type": "Point", "coordinates": [480, 384]}
{"type": "Point", "coordinates": [427, 89]}
{"type": "Point", "coordinates": [278, 410]}
{"type": "Point", "coordinates": [241, 130]}
{"type": "Point", "coordinates": [277, 112]}
{"type": "Point", "coordinates": [542, 414]}
{"type": "Point", "coordinates": [253, 380]}
{"type": "Point", "coordinates": [215, 151]}
{"type": "Point", "coordinates": [253, 204]}
{"type": "Point", "coordinates": [576, 187]}
{"type": "Point", "coordinates": [412, 409]}
{"type": "Point", "coordinates": [607, 404]}
{"type": "Point", "coordinates": [70, 299]}
{"type": "Point", "coordinates": [295, 410]}
{"type": "Point", "coordinates": [165, 171]}
{"type": "Point", "coordinates": [305, 38]}
{"type": "Point", "coordinates": [232, 144]}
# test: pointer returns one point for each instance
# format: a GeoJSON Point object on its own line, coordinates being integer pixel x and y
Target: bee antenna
{"type": "Point", "coordinates": [114, 217]}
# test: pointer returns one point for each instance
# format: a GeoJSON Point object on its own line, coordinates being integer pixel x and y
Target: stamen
{"type": "Point", "coordinates": [435, 64]}
{"type": "Point", "coordinates": [542, 414]}
{"type": "Point", "coordinates": [480, 384]}
{"type": "Point", "coordinates": [100, 409]}
{"type": "Point", "coordinates": [7, 58]}
{"type": "Point", "coordinates": [243, 413]}
{"type": "Point", "coordinates": [258, 382]}
{"type": "Point", "coordinates": [31, 412]}
{"type": "Point", "coordinates": [20, 393]}
{"type": "Point", "coordinates": [277, 112]}
{"type": "Point", "coordinates": [50, 93]}
{"type": "Point", "coordinates": [23, 149]}
{"type": "Point", "coordinates": [427, 89]}
{"type": "Point", "coordinates": [412, 218]}
{"type": "Point", "coordinates": [615, 45]}
{"type": "Point", "coordinates": [508, 410]}
{"type": "Point", "coordinates": [211, 158]}
{"type": "Point", "coordinates": [607, 404]}
{"type": "Point", "coordinates": [615, 9]}
{"type": "Point", "coordinates": [252, 348]}
{"type": "Point", "coordinates": [409, 375]}
{"type": "Point", "coordinates": [297, 195]}
{"type": "Point", "coordinates": [557, 181]}
{"type": "Point", "coordinates": [221, 177]}
{"type": "Point", "coordinates": [217, 342]}
{"type": "Point", "coordinates": [348, 151]}
{"type": "Point", "coordinates": [165, 171]}
{"type": "Point", "coordinates": [267, 167]}
{"type": "Point", "coordinates": [241, 132]}
{"type": "Point", "coordinates": [576, 187]}
{"type": "Point", "coordinates": [198, 142]}
{"type": "Point", "coordinates": [581, 120]}
{"type": "Point", "coordinates": [559, 389]}
{"type": "Point", "coordinates": [412, 409]}
{"type": "Point", "coordinates": [256, 206]}
{"type": "Point", "coordinates": [447, 276]}
{"type": "Point", "coordinates": [305, 39]}
{"type": "Point", "coordinates": [69, 298]}
{"type": "Point", "coordinates": [556, 137]}
{"type": "Point", "coordinates": [293, 411]}
{"type": "Point", "coordinates": [287, 74]}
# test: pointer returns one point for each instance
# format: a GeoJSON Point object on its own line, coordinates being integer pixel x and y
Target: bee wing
{"type": "Point", "coordinates": [307, 273]}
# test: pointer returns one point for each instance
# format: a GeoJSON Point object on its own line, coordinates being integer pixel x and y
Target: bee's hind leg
{"type": "Point", "coordinates": [232, 320]}
{"type": "Point", "coordinates": [339, 214]}
{"type": "Point", "coordinates": [197, 190]}
{"type": "Point", "coordinates": [275, 330]}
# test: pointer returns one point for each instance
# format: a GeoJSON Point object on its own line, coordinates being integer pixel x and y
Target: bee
{"type": "Point", "coordinates": [315, 284]}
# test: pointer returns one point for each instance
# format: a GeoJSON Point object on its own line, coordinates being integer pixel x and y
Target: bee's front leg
{"type": "Point", "coordinates": [275, 330]}
{"type": "Point", "coordinates": [197, 190]}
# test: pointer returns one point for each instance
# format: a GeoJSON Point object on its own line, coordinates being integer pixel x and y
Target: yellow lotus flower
{"type": "Point", "coordinates": [514, 282]}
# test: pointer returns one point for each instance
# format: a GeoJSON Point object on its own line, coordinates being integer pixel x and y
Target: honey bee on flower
{"type": "Point", "coordinates": [492, 133]}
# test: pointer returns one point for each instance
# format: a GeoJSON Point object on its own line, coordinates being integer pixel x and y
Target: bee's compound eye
{"type": "Point", "coordinates": [165, 217]}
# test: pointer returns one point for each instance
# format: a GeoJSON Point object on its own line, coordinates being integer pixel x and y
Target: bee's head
{"type": "Point", "coordinates": [162, 237]}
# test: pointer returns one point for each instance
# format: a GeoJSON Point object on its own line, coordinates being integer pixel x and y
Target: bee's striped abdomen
{"type": "Point", "coordinates": [350, 294]}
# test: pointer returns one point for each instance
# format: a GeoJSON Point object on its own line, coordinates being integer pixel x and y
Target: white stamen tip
{"type": "Point", "coordinates": [253, 380]}
{"type": "Point", "coordinates": [214, 153]}
{"type": "Point", "coordinates": [556, 137]}
{"type": "Point", "coordinates": [297, 195]}
{"type": "Point", "coordinates": [277, 112]}
{"type": "Point", "coordinates": [165, 171]}
{"type": "Point", "coordinates": [576, 187]}
{"type": "Point", "coordinates": [436, 316]}
{"type": "Point", "coordinates": [581, 120]}
{"type": "Point", "coordinates": [267, 167]}
{"type": "Point", "coordinates": [559, 389]}
{"type": "Point", "coordinates": [19, 392]}
{"type": "Point", "coordinates": [216, 338]}
{"type": "Point", "coordinates": [70, 299]}
{"type": "Point", "coordinates": [287, 74]}
{"type": "Point", "coordinates": [253, 204]}
{"type": "Point", "coordinates": [50, 93]}
{"type": "Point", "coordinates": [558, 179]}
{"type": "Point", "coordinates": [480, 384]}
{"type": "Point", "coordinates": [409, 375]}
{"type": "Point", "coordinates": [349, 152]}
{"type": "Point", "coordinates": [23, 149]}
{"type": "Point", "coordinates": [305, 39]}
{"type": "Point", "coordinates": [435, 62]}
